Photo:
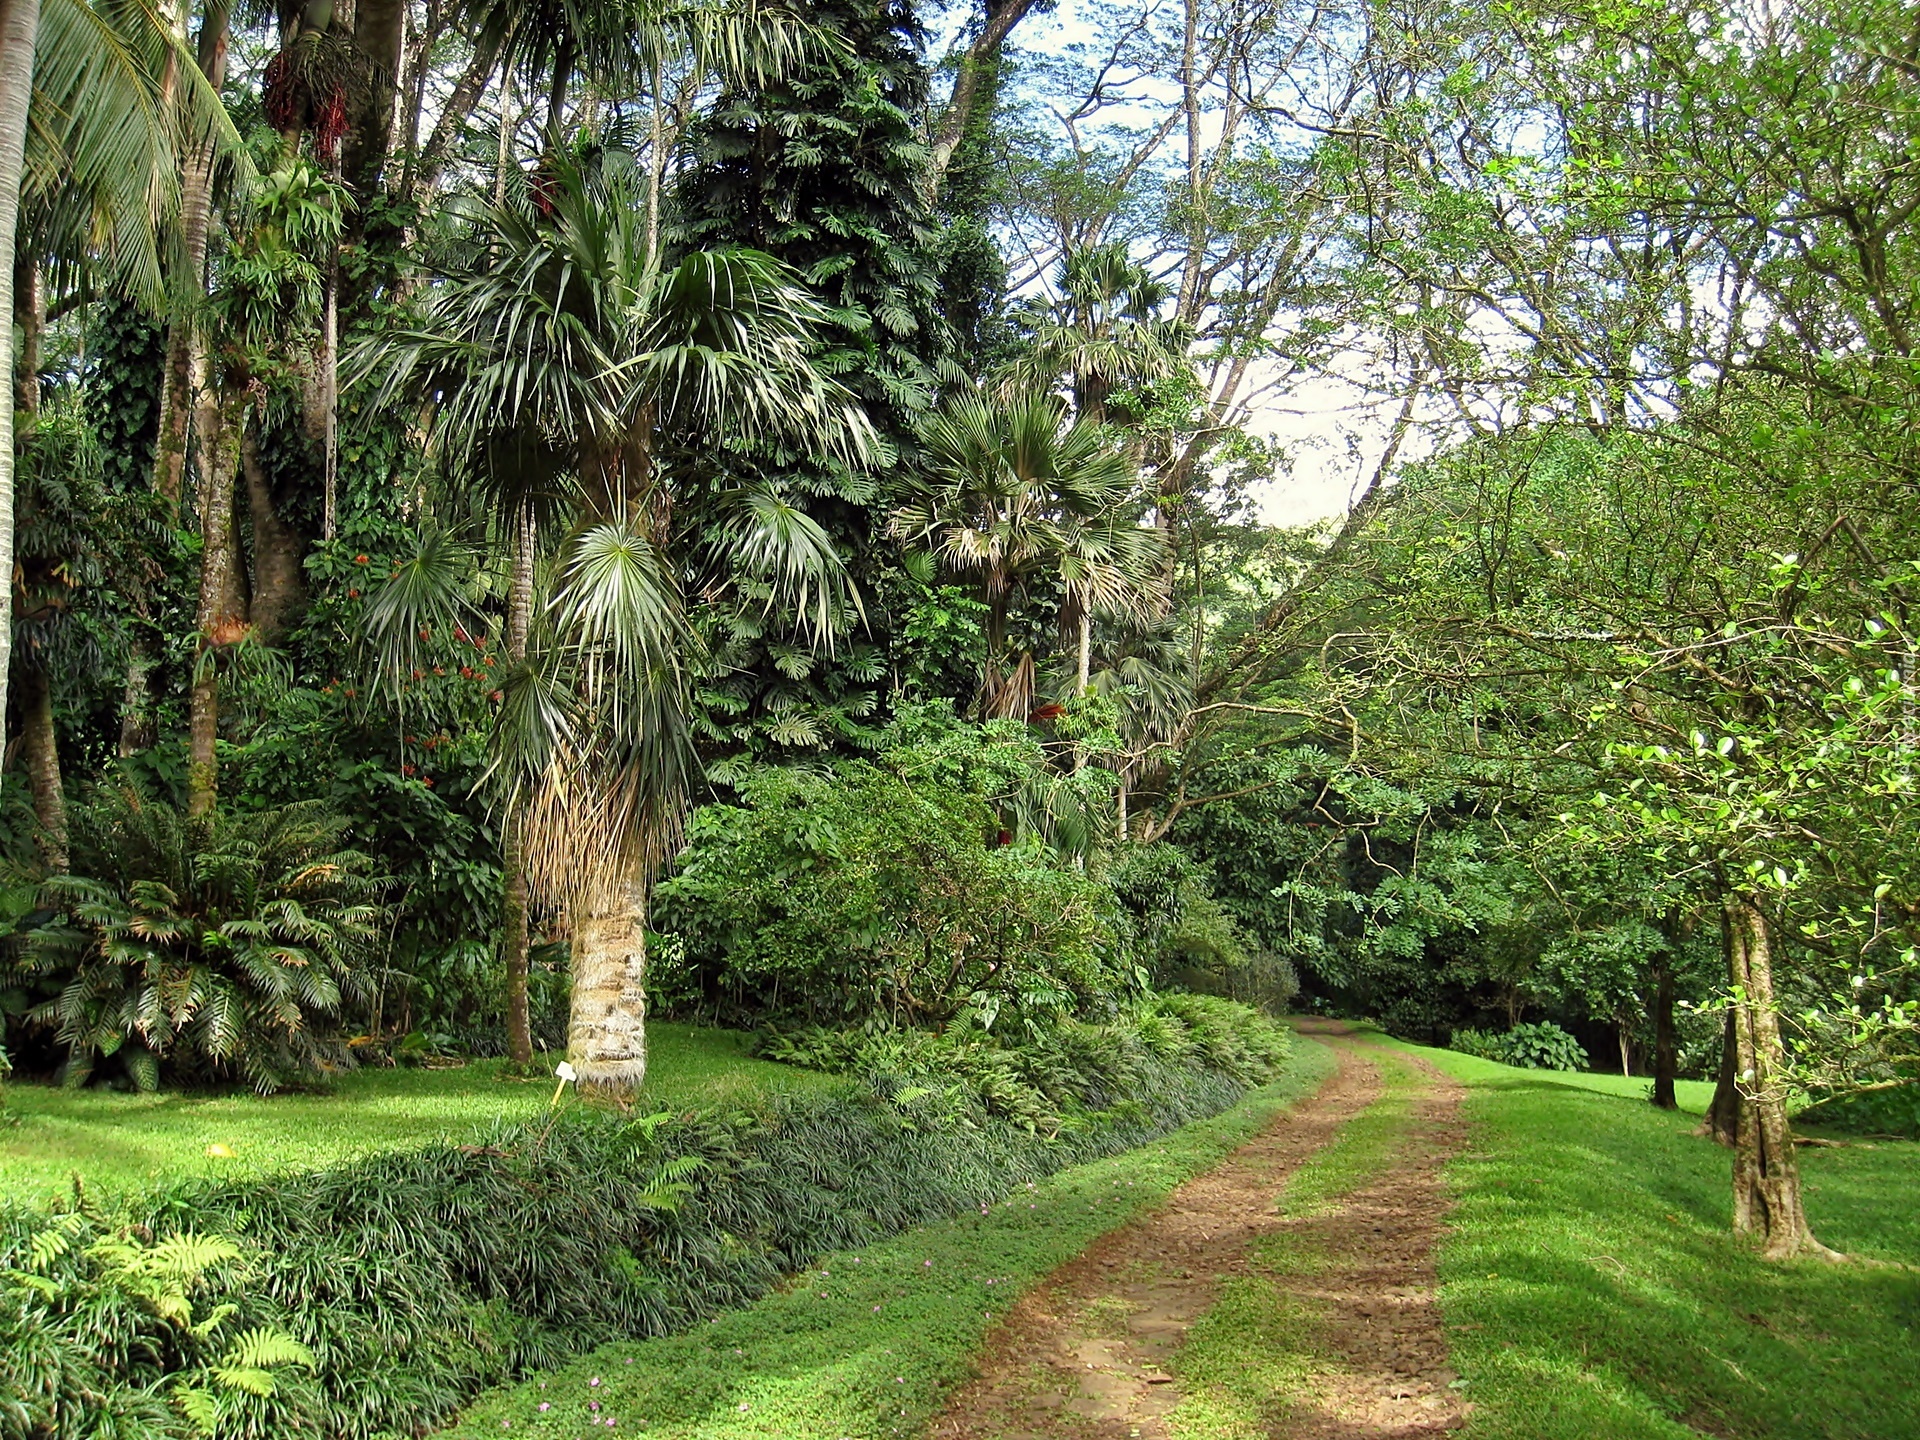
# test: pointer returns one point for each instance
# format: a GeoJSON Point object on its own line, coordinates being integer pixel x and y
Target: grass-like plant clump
{"type": "Point", "coordinates": [371, 1298]}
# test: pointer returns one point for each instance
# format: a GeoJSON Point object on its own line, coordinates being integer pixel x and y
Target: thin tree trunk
{"type": "Point", "coordinates": [1767, 1202]}
{"type": "Point", "coordinates": [220, 417]}
{"type": "Point", "coordinates": [196, 216]}
{"type": "Point", "coordinates": [607, 1029]}
{"type": "Point", "coordinates": [41, 750]}
{"type": "Point", "coordinates": [1085, 671]}
{"type": "Point", "coordinates": [1626, 1064]}
{"type": "Point", "coordinates": [19, 29]}
{"type": "Point", "coordinates": [1666, 1057]}
{"type": "Point", "coordinates": [466, 95]}
{"type": "Point", "coordinates": [516, 939]}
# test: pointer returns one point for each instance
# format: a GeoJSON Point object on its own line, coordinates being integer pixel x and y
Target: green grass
{"type": "Point", "coordinates": [1592, 1287]}
{"type": "Point", "coordinates": [866, 1344]}
{"type": "Point", "coordinates": [116, 1141]}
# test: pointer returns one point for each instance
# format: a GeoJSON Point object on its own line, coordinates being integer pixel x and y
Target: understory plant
{"type": "Point", "coordinates": [1538, 1046]}
{"type": "Point", "coordinates": [212, 950]}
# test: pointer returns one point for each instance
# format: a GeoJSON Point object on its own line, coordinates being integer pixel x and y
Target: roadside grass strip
{"type": "Point", "coordinates": [865, 1344]}
{"type": "Point", "coordinates": [1250, 1358]}
{"type": "Point", "coordinates": [1592, 1286]}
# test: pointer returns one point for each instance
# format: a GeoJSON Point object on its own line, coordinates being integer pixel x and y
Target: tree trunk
{"type": "Point", "coordinates": [1085, 670]}
{"type": "Point", "coordinates": [1666, 1049]}
{"type": "Point", "coordinates": [41, 752]}
{"type": "Point", "coordinates": [279, 589]}
{"type": "Point", "coordinates": [607, 1030]}
{"type": "Point", "coordinates": [467, 93]}
{"type": "Point", "coordinates": [379, 27]}
{"type": "Point", "coordinates": [19, 28]}
{"type": "Point", "coordinates": [221, 415]}
{"type": "Point", "coordinates": [196, 215]}
{"type": "Point", "coordinates": [1626, 1062]}
{"type": "Point", "coordinates": [1766, 1176]}
{"type": "Point", "coordinates": [1722, 1122]}
{"type": "Point", "coordinates": [970, 81]}
{"type": "Point", "coordinates": [516, 939]}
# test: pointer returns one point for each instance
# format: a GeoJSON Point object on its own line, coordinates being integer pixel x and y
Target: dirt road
{"type": "Point", "coordinates": [1096, 1351]}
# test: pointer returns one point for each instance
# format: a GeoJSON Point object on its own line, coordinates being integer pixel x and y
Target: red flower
{"type": "Point", "coordinates": [353, 594]}
{"type": "Point", "coordinates": [360, 560]}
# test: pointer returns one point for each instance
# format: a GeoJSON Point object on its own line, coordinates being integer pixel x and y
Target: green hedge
{"type": "Point", "coordinates": [371, 1299]}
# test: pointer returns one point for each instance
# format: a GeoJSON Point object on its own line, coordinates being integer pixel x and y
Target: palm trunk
{"type": "Point", "coordinates": [516, 939]}
{"type": "Point", "coordinates": [1085, 671]}
{"type": "Point", "coordinates": [42, 755]}
{"type": "Point", "coordinates": [19, 29]}
{"type": "Point", "coordinates": [607, 1030]}
{"type": "Point", "coordinates": [1766, 1176]}
{"type": "Point", "coordinates": [196, 215]}
{"type": "Point", "coordinates": [221, 415]}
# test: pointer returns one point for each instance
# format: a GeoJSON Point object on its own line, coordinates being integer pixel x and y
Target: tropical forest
{"type": "Point", "coordinates": [960, 719]}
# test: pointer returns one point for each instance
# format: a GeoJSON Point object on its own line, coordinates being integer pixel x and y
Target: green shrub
{"type": "Point", "coordinates": [414, 1279]}
{"type": "Point", "coordinates": [1541, 1046]}
{"type": "Point", "coordinates": [205, 951]}
{"type": "Point", "coordinates": [862, 890]}
{"type": "Point", "coordinates": [1869, 1112]}
{"type": "Point", "coordinates": [1186, 938]}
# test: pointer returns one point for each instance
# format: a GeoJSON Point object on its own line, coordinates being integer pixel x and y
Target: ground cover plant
{"type": "Point", "coordinates": [868, 1342]}
{"type": "Point", "coordinates": [411, 1278]}
{"type": "Point", "coordinates": [116, 1141]}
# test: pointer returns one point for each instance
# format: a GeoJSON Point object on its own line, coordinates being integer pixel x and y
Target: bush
{"type": "Point", "coordinates": [207, 951]}
{"type": "Point", "coordinates": [861, 890]}
{"type": "Point", "coordinates": [414, 1279]}
{"type": "Point", "coordinates": [1542, 1046]}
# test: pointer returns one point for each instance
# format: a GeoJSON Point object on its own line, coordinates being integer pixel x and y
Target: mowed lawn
{"type": "Point", "coordinates": [114, 1141]}
{"type": "Point", "coordinates": [1592, 1288]}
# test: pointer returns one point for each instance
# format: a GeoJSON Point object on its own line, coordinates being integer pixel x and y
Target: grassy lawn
{"type": "Point", "coordinates": [1592, 1287]}
{"type": "Point", "coordinates": [115, 1141]}
{"type": "Point", "coordinates": [868, 1343]}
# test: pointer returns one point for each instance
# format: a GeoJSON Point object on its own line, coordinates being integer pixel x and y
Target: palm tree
{"type": "Point", "coordinates": [1101, 334]}
{"type": "Point", "coordinates": [1015, 495]}
{"type": "Point", "coordinates": [93, 172]}
{"type": "Point", "coordinates": [574, 378]}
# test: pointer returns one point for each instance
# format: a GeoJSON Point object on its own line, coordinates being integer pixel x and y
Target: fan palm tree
{"type": "Point", "coordinates": [1017, 494]}
{"type": "Point", "coordinates": [1102, 334]}
{"type": "Point", "coordinates": [575, 379]}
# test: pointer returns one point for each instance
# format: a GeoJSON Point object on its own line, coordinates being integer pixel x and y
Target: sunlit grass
{"type": "Point", "coordinates": [114, 1141]}
{"type": "Point", "coordinates": [1592, 1286]}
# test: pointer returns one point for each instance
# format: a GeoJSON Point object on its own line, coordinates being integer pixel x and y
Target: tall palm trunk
{"type": "Point", "coordinates": [607, 1030]}
{"type": "Point", "coordinates": [196, 216]}
{"type": "Point", "coordinates": [516, 940]}
{"type": "Point", "coordinates": [41, 752]}
{"type": "Point", "coordinates": [19, 29]}
{"type": "Point", "coordinates": [221, 415]}
{"type": "Point", "coordinates": [1767, 1201]}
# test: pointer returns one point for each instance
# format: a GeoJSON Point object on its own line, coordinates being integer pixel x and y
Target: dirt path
{"type": "Point", "coordinates": [1089, 1354]}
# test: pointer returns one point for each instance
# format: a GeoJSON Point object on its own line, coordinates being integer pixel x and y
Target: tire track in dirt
{"type": "Point", "coordinates": [1086, 1354]}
